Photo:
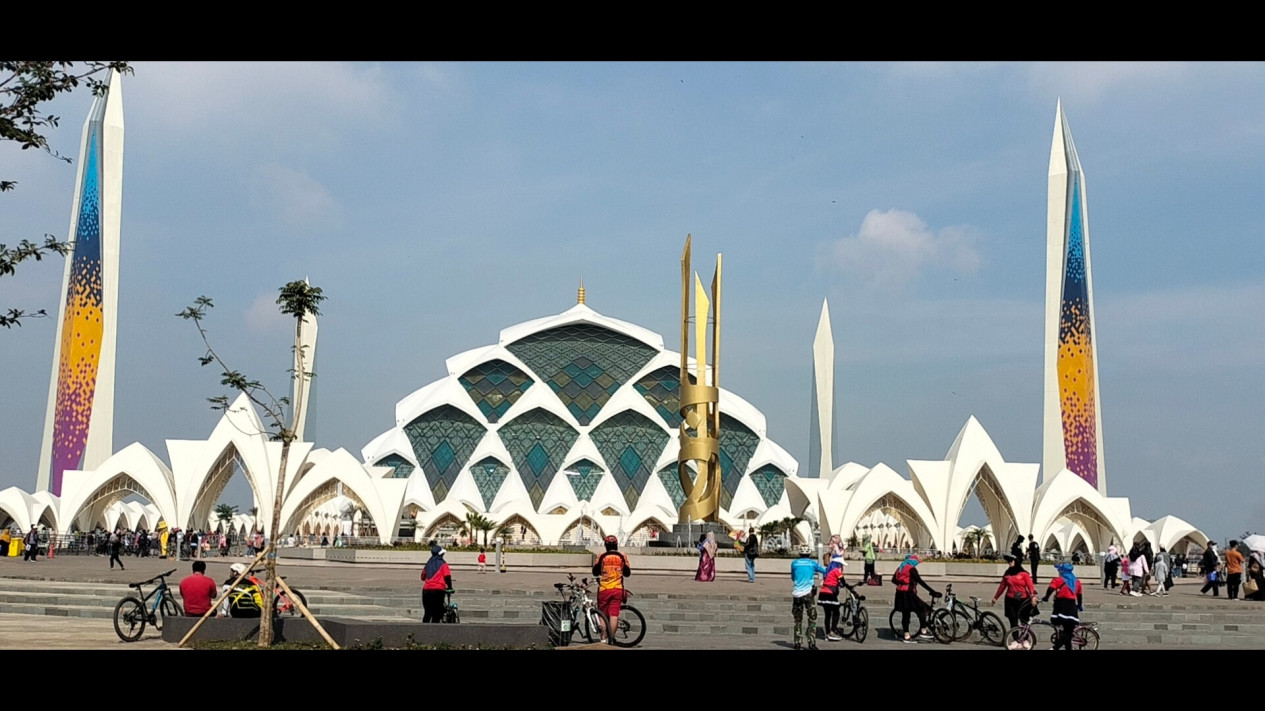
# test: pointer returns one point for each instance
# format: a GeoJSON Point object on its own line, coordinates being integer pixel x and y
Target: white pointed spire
{"type": "Point", "coordinates": [821, 454]}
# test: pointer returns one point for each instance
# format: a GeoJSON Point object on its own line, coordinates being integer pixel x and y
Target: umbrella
{"type": "Point", "coordinates": [1256, 542]}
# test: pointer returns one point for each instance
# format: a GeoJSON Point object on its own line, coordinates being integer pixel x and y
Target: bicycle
{"type": "Point", "coordinates": [582, 613]}
{"type": "Point", "coordinates": [1023, 637]}
{"type": "Point", "coordinates": [451, 613]}
{"type": "Point", "coordinates": [854, 620]}
{"type": "Point", "coordinates": [893, 619]}
{"type": "Point", "coordinates": [131, 615]}
{"type": "Point", "coordinates": [283, 605]}
{"type": "Point", "coordinates": [955, 622]}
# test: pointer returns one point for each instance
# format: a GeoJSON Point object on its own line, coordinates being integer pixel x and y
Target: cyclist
{"type": "Point", "coordinates": [436, 584]}
{"type": "Point", "coordinates": [1019, 590]}
{"type": "Point", "coordinates": [610, 570]}
{"type": "Point", "coordinates": [803, 574]}
{"type": "Point", "coordinates": [1068, 600]}
{"type": "Point", "coordinates": [246, 599]}
{"type": "Point", "coordinates": [906, 579]}
{"type": "Point", "coordinates": [829, 596]}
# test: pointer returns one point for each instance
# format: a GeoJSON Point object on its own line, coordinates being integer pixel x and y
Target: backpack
{"type": "Point", "coordinates": [901, 578]}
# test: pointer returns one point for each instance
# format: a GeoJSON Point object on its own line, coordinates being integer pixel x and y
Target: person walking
{"type": "Point", "coordinates": [1208, 566]}
{"type": "Point", "coordinates": [706, 558]}
{"type": "Point", "coordinates": [1020, 593]}
{"type": "Point", "coordinates": [116, 544]}
{"type": "Point", "coordinates": [906, 579]}
{"type": "Point", "coordinates": [750, 552]}
{"type": "Point", "coordinates": [1034, 556]}
{"type": "Point", "coordinates": [804, 570]}
{"type": "Point", "coordinates": [32, 543]}
{"type": "Point", "coordinates": [1111, 567]}
{"type": "Point", "coordinates": [436, 583]}
{"type": "Point", "coordinates": [1233, 570]}
{"type": "Point", "coordinates": [1161, 574]}
{"type": "Point", "coordinates": [867, 547]}
{"type": "Point", "coordinates": [1017, 550]}
{"type": "Point", "coordinates": [1138, 570]}
{"type": "Point", "coordinates": [1069, 600]}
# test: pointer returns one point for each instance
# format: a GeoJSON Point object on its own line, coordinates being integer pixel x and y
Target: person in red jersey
{"type": "Point", "coordinates": [1020, 593]}
{"type": "Point", "coordinates": [197, 591]}
{"type": "Point", "coordinates": [436, 583]}
{"type": "Point", "coordinates": [1068, 601]}
{"type": "Point", "coordinates": [610, 570]}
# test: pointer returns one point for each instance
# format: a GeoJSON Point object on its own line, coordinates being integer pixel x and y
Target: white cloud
{"type": "Point", "coordinates": [892, 247]}
{"type": "Point", "coordinates": [292, 197]}
{"type": "Point", "coordinates": [264, 316]}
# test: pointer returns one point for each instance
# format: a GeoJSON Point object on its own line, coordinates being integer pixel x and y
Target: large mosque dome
{"type": "Point", "coordinates": [567, 420]}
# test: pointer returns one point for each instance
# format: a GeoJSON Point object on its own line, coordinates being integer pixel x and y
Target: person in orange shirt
{"type": "Point", "coordinates": [610, 570]}
{"type": "Point", "coordinates": [1233, 570]}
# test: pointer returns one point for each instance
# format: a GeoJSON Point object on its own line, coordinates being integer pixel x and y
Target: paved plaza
{"type": "Point", "coordinates": [51, 631]}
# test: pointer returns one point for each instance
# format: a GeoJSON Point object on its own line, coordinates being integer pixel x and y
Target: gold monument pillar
{"type": "Point", "coordinates": [700, 400]}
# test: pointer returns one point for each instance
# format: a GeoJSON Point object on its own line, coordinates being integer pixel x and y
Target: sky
{"type": "Point", "coordinates": [438, 203]}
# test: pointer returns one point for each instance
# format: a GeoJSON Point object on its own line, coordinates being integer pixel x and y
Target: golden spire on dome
{"type": "Point", "coordinates": [579, 297]}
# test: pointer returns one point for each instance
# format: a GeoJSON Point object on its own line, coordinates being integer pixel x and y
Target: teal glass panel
{"type": "Point", "coordinates": [672, 483]}
{"type": "Point", "coordinates": [662, 389]}
{"type": "Point", "coordinates": [401, 468]}
{"type": "Point", "coordinates": [737, 444]}
{"type": "Point", "coordinates": [630, 444]}
{"type": "Point", "coordinates": [584, 476]}
{"type": "Point", "coordinates": [770, 482]}
{"type": "Point", "coordinates": [583, 364]}
{"type": "Point", "coordinates": [489, 474]}
{"type": "Point", "coordinates": [443, 440]}
{"type": "Point", "coordinates": [495, 386]}
{"type": "Point", "coordinates": [537, 441]}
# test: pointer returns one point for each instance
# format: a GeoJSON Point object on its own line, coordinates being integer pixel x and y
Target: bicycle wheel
{"type": "Point", "coordinates": [1021, 638]}
{"type": "Point", "coordinates": [129, 619]}
{"type": "Point", "coordinates": [594, 625]}
{"type": "Point", "coordinates": [451, 617]}
{"type": "Point", "coordinates": [287, 608]}
{"type": "Point", "coordinates": [893, 622]}
{"type": "Point", "coordinates": [961, 625]}
{"type": "Point", "coordinates": [1085, 638]}
{"type": "Point", "coordinates": [847, 620]}
{"type": "Point", "coordinates": [862, 626]}
{"type": "Point", "coordinates": [168, 608]}
{"type": "Point", "coordinates": [942, 626]}
{"type": "Point", "coordinates": [630, 628]}
{"type": "Point", "coordinates": [991, 629]}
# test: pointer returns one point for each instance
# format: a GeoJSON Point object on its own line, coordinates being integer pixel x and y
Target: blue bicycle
{"type": "Point", "coordinates": [131, 615]}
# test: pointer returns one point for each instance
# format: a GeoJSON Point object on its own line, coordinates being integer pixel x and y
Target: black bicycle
{"type": "Point", "coordinates": [854, 620]}
{"type": "Point", "coordinates": [131, 615]}
{"type": "Point", "coordinates": [451, 613]}
{"type": "Point", "coordinates": [956, 621]}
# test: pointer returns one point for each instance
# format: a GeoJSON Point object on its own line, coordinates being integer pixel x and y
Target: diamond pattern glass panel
{"type": "Point", "coordinates": [495, 386]}
{"type": "Point", "coordinates": [672, 483]}
{"type": "Point", "coordinates": [443, 440]}
{"type": "Point", "coordinates": [402, 467]}
{"type": "Point", "coordinates": [770, 482]}
{"type": "Point", "coordinates": [737, 444]}
{"type": "Point", "coordinates": [630, 444]}
{"type": "Point", "coordinates": [537, 442]}
{"type": "Point", "coordinates": [489, 474]}
{"type": "Point", "coordinates": [662, 389]}
{"type": "Point", "coordinates": [583, 364]}
{"type": "Point", "coordinates": [584, 476]}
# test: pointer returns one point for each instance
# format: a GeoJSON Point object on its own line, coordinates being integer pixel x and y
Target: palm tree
{"type": "Point", "coordinates": [224, 513]}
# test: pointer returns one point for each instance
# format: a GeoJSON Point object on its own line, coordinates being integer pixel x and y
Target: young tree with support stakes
{"type": "Point", "coordinates": [298, 299]}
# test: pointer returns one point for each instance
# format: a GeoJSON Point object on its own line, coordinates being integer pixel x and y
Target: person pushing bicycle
{"type": "Point", "coordinates": [610, 569]}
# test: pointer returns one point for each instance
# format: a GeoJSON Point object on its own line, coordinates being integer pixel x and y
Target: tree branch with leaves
{"type": "Point", "coordinates": [300, 300]}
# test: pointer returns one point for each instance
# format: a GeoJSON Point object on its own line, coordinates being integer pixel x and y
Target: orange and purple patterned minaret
{"type": "Point", "coordinates": [1072, 431]}
{"type": "Point", "coordinates": [79, 423]}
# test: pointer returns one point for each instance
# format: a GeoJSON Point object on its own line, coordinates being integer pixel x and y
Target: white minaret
{"type": "Point", "coordinates": [821, 436]}
{"type": "Point", "coordinates": [79, 421]}
{"type": "Point", "coordinates": [1072, 422]}
{"type": "Point", "coordinates": [301, 396]}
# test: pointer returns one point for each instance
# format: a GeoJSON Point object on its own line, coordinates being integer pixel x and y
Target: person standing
{"type": "Point", "coordinates": [1161, 575]}
{"type": "Point", "coordinates": [1233, 570]}
{"type": "Point", "coordinates": [906, 579]}
{"type": "Point", "coordinates": [1034, 556]}
{"type": "Point", "coordinates": [1138, 570]}
{"type": "Point", "coordinates": [1110, 567]}
{"type": "Point", "coordinates": [483, 560]}
{"type": "Point", "coordinates": [706, 558]}
{"type": "Point", "coordinates": [750, 552]}
{"type": "Point", "coordinates": [804, 570]}
{"type": "Point", "coordinates": [867, 547]}
{"type": "Point", "coordinates": [32, 542]}
{"type": "Point", "coordinates": [197, 591]}
{"type": "Point", "coordinates": [1020, 593]}
{"type": "Point", "coordinates": [610, 570]}
{"type": "Point", "coordinates": [116, 544]}
{"type": "Point", "coordinates": [1069, 600]}
{"type": "Point", "coordinates": [829, 596]}
{"type": "Point", "coordinates": [436, 583]}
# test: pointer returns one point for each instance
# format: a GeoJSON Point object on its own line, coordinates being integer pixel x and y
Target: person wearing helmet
{"type": "Point", "coordinates": [246, 598]}
{"type": "Point", "coordinates": [610, 570]}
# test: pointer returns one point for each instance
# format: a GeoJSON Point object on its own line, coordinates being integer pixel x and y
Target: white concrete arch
{"type": "Point", "coordinates": [886, 490]}
{"type": "Point", "coordinates": [15, 504]}
{"type": "Point", "coordinates": [133, 470]}
{"type": "Point", "coordinates": [382, 498]}
{"type": "Point", "coordinates": [1067, 495]}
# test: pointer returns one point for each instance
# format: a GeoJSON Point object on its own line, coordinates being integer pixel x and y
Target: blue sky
{"type": "Point", "coordinates": [439, 203]}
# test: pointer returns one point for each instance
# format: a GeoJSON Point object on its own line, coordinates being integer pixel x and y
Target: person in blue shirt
{"type": "Point", "coordinates": [804, 570]}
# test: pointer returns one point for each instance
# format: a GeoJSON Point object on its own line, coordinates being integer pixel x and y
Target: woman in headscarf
{"type": "Point", "coordinates": [436, 582]}
{"type": "Point", "coordinates": [706, 558]}
{"type": "Point", "coordinates": [1019, 590]}
{"type": "Point", "coordinates": [1111, 567]}
{"type": "Point", "coordinates": [907, 580]}
{"type": "Point", "coordinates": [1016, 549]}
{"type": "Point", "coordinates": [1068, 601]}
{"type": "Point", "coordinates": [1138, 570]}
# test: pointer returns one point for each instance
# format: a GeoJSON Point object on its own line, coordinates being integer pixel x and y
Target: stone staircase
{"type": "Point", "coordinates": [1210, 624]}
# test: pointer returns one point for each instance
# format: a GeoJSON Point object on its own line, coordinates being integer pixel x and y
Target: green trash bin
{"type": "Point", "coordinates": [556, 615]}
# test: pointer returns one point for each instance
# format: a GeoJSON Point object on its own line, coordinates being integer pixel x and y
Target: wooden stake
{"type": "Point", "coordinates": [294, 600]}
{"type": "Point", "coordinates": [215, 606]}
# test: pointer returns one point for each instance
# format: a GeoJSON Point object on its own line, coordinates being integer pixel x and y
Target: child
{"type": "Point", "coordinates": [483, 560]}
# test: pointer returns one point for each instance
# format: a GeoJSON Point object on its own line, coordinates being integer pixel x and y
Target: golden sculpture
{"type": "Point", "coordinates": [700, 400]}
